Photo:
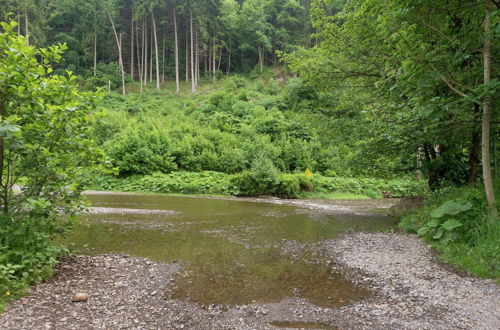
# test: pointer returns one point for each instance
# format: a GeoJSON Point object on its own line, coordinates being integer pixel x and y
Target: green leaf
{"type": "Point", "coordinates": [433, 223]}
{"type": "Point", "coordinates": [451, 224]}
{"type": "Point", "coordinates": [422, 231]}
{"type": "Point", "coordinates": [452, 207]}
{"type": "Point", "coordinates": [439, 233]}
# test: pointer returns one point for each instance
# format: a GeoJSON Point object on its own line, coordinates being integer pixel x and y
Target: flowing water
{"type": "Point", "coordinates": [230, 250]}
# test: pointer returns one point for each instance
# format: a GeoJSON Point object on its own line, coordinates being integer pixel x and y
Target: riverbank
{"type": "Point", "coordinates": [298, 185]}
{"type": "Point", "coordinates": [410, 289]}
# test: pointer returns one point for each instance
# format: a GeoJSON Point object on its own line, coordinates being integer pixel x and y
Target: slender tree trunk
{"type": "Point", "coordinates": [229, 57]}
{"type": "Point", "coordinates": [474, 158]}
{"type": "Point", "coordinates": [139, 61]}
{"type": "Point", "coordinates": [27, 28]}
{"type": "Point", "coordinates": [209, 56]}
{"type": "Point", "coordinates": [193, 83]}
{"type": "Point", "coordinates": [156, 51]}
{"type": "Point", "coordinates": [220, 59]}
{"type": "Point", "coordinates": [145, 52]}
{"type": "Point", "coordinates": [95, 54]}
{"type": "Point", "coordinates": [163, 54]}
{"type": "Point", "coordinates": [19, 20]}
{"type": "Point", "coordinates": [177, 85]}
{"type": "Point", "coordinates": [197, 60]}
{"type": "Point", "coordinates": [120, 59]}
{"type": "Point", "coordinates": [214, 51]}
{"type": "Point", "coordinates": [187, 55]}
{"type": "Point", "coordinates": [151, 66]}
{"type": "Point", "coordinates": [132, 49]}
{"type": "Point", "coordinates": [205, 65]}
{"type": "Point", "coordinates": [486, 122]}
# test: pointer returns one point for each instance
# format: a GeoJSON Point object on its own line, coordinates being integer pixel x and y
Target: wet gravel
{"type": "Point", "coordinates": [411, 290]}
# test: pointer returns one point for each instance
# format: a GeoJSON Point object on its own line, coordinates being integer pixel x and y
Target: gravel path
{"type": "Point", "coordinates": [411, 290]}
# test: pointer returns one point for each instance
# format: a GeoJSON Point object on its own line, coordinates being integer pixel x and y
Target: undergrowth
{"type": "Point", "coordinates": [257, 183]}
{"type": "Point", "coordinates": [457, 224]}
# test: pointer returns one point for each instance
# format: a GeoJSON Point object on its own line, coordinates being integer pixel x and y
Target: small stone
{"type": "Point", "coordinates": [81, 297]}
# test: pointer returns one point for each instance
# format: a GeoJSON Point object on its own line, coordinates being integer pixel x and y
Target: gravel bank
{"type": "Point", "coordinates": [411, 290]}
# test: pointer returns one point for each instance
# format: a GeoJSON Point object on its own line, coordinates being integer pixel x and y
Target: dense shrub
{"type": "Point", "coordinates": [141, 150]}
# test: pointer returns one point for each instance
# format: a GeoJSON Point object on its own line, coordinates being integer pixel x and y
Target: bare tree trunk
{"type": "Point", "coordinates": [156, 51]}
{"type": "Point", "coordinates": [95, 54]}
{"type": "Point", "coordinates": [229, 57]}
{"type": "Point", "coordinates": [261, 58]}
{"type": "Point", "coordinates": [205, 65]}
{"type": "Point", "coordinates": [120, 59]}
{"type": "Point", "coordinates": [132, 73]}
{"type": "Point", "coordinates": [151, 56]}
{"type": "Point", "coordinates": [197, 60]}
{"type": "Point", "coordinates": [486, 122]}
{"type": "Point", "coordinates": [193, 83]}
{"type": "Point", "coordinates": [209, 56]}
{"type": "Point", "coordinates": [139, 61]}
{"type": "Point", "coordinates": [187, 55]}
{"type": "Point", "coordinates": [163, 54]}
{"type": "Point", "coordinates": [145, 52]}
{"type": "Point", "coordinates": [19, 20]}
{"type": "Point", "coordinates": [214, 53]}
{"type": "Point", "coordinates": [220, 59]}
{"type": "Point", "coordinates": [177, 85]}
{"type": "Point", "coordinates": [27, 28]}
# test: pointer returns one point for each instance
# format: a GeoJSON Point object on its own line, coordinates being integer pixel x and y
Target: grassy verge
{"type": "Point", "coordinates": [456, 223]}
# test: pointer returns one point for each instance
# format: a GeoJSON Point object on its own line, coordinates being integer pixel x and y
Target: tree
{"type": "Point", "coordinates": [486, 119]}
{"type": "Point", "coordinates": [45, 136]}
{"type": "Point", "coordinates": [415, 65]}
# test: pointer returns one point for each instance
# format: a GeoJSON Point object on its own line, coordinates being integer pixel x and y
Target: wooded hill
{"type": "Point", "coordinates": [154, 40]}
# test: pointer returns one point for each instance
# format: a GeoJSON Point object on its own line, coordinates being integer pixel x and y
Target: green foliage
{"type": "Point", "coordinates": [46, 147]}
{"type": "Point", "coordinates": [175, 182]}
{"type": "Point", "coordinates": [456, 223]}
{"type": "Point", "coordinates": [141, 150]}
{"type": "Point", "coordinates": [27, 254]}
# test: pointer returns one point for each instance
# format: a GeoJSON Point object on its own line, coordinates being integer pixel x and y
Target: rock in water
{"type": "Point", "coordinates": [81, 297]}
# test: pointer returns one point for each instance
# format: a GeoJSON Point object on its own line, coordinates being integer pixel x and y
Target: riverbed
{"type": "Point", "coordinates": [158, 261]}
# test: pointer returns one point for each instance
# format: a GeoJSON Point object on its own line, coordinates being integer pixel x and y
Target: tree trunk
{"type": "Point", "coordinates": [132, 73]}
{"type": "Point", "coordinates": [193, 85]}
{"type": "Point", "coordinates": [229, 57]}
{"type": "Point", "coordinates": [120, 59]}
{"type": "Point", "coordinates": [209, 56]}
{"type": "Point", "coordinates": [197, 61]}
{"type": "Point", "coordinates": [95, 54]}
{"type": "Point", "coordinates": [139, 61]}
{"type": "Point", "coordinates": [145, 52]}
{"type": "Point", "coordinates": [27, 29]}
{"type": "Point", "coordinates": [486, 122]}
{"type": "Point", "coordinates": [156, 52]}
{"type": "Point", "coordinates": [187, 55]}
{"type": "Point", "coordinates": [177, 84]}
{"type": "Point", "coordinates": [214, 53]}
{"type": "Point", "coordinates": [163, 54]}
{"type": "Point", "coordinates": [220, 59]}
{"type": "Point", "coordinates": [151, 66]}
{"type": "Point", "coordinates": [474, 158]}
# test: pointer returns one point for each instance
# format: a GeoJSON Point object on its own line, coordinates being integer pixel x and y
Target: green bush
{"type": "Point", "coordinates": [176, 182]}
{"type": "Point", "coordinates": [141, 150]}
{"type": "Point", "coordinates": [27, 254]}
{"type": "Point", "coordinates": [288, 186]}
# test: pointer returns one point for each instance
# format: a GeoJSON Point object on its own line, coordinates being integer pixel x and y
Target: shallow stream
{"type": "Point", "coordinates": [231, 250]}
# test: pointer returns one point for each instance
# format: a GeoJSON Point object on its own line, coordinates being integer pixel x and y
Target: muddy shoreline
{"type": "Point", "coordinates": [410, 288]}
